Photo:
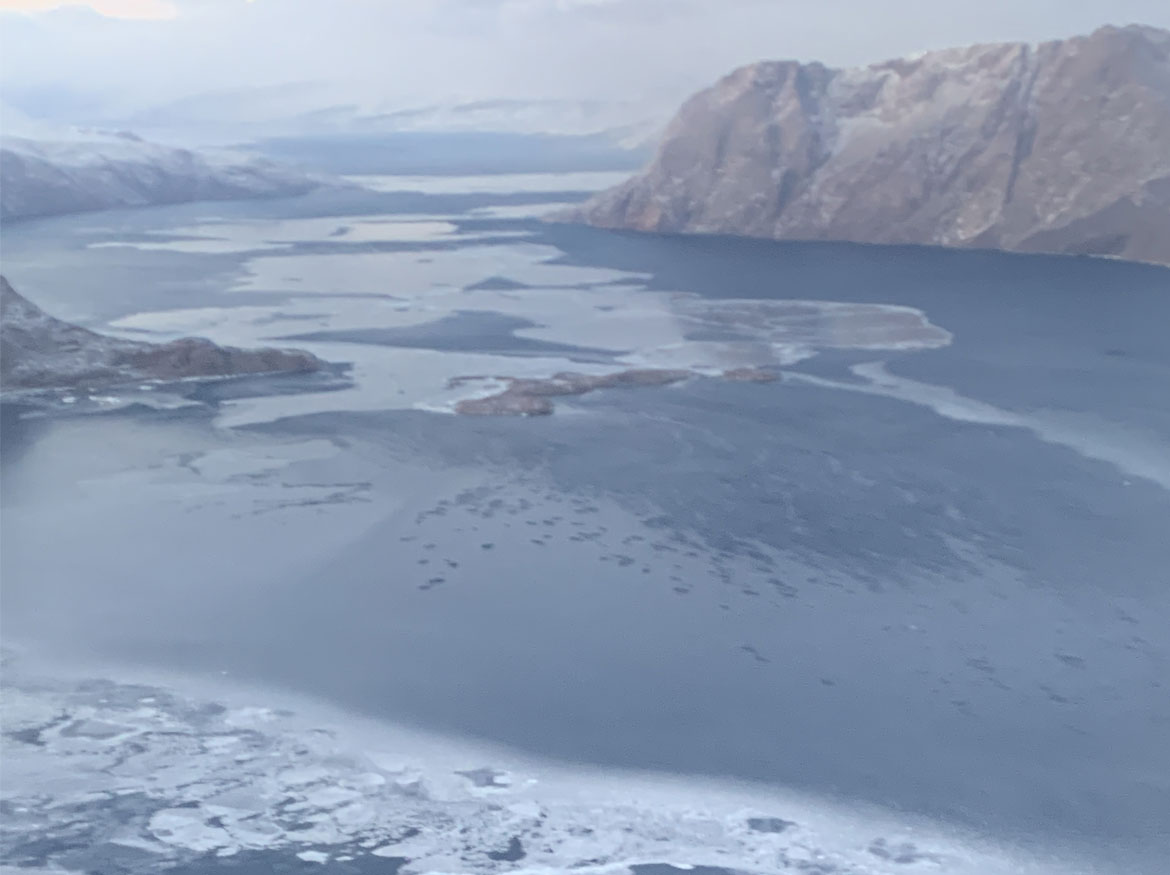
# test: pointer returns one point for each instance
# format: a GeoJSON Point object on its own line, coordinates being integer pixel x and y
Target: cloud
{"type": "Point", "coordinates": [390, 53]}
{"type": "Point", "coordinates": [140, 9]}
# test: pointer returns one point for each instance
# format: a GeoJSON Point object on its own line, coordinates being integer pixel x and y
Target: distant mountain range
{"type": "Point", "coordinates": [48, 167]}
{"type": "Point", "coordinates": [1058, 147]}
{"type": "Point", "coordinates": [308, 110]}
{"type": "Point", "coordinates": [76, 171]}
{"type": "Point", "coordinates": [314, 126]}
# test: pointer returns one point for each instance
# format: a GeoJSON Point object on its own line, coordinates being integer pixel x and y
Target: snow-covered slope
{"type": "Point", "coordinates": [74, 171]}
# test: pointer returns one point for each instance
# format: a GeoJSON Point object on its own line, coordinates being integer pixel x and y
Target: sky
{"type": "Point", "coordinates": [112, 58]}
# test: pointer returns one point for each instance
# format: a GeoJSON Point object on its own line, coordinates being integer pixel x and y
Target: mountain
{"type": "Point", "coordinates": [316, 110]}
{"type": "Point", "coordinates": [77, 171]}
{"type": "Point", "coordinates": [1058, 147]}
{"type": "Point", "coordinates": [452, 153]}
{"type": "Point", "coordinates": [38, 351]}
{"type": "Point", "coordinates": [351, 130]}
{"type": "Point", "coordinates": [301, 125]}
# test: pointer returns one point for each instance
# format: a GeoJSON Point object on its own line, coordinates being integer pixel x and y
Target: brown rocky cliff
{"type": "Point", "coordinates": [1060, 147]}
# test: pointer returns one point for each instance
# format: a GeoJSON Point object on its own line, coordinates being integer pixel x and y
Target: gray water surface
{"type": "Point", "coordinates": [957, 609]}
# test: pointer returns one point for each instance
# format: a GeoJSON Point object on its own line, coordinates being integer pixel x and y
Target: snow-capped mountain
{"type": "Point", "coordinates": [314, 109]}
{"type": "Point", "coordinates": [67, 171]}
{"type": "Point", "coordinates": [628, 125]}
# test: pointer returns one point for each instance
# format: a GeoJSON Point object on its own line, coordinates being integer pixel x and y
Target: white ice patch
{"type": "Point", "coordinates": [1128, 452]}
{"type": "Point", "coordinates": [224, 777]}
{"type": "Point", "coordinates": [821, 324]}
{"type": "Point", "coordinates": [605, 320]}
{"type": "Point", "coordinates": [519, 211]}
{"type": "Point", "coordinates": [409, 274]}
{"type": "Point", "coordinates": [197, 246]}
{"type": "Point", "coordinates": [257, 235]}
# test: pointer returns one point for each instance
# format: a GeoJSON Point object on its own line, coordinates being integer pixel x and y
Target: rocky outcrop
{"type": "Point", "coordinates": [532, 397]}
{"type": "Point", "coordinates": [1058, 147]}
{"type": "Point", "coordinates": [38, 351]}
{"type": "Point", "coordinates": [95, 171]}
{"type": "Point", "coordinates": [750, 375]}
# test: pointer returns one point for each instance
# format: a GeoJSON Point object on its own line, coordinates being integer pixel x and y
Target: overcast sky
{"type": "Point", "coordinates": [123, 54]}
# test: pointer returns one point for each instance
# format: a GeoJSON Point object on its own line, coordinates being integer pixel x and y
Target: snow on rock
{"type": "Point", "coordinates": [77, 171]}
{"type": "Point", "coordinates": [1057, 147]}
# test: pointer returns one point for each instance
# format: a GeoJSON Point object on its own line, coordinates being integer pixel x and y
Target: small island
{"type": "Point", "coordinates": [532, 397]}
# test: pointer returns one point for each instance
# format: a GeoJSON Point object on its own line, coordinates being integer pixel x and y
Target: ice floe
{"type": "Point", "coordinates": [1131, 453]}
{"type": "Point", "coordinates": [565, 318]}
{"type": "Point", "coordinates": [101, 769]}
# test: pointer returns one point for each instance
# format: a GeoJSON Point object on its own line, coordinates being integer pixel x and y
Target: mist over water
{"type": "Point", "coordinates": [913, 591]}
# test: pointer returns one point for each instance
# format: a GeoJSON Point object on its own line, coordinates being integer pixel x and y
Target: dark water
{"type": "Point", "coordinates": [466, 330]}
{"type": "Point", "coordinates": [793, 583]}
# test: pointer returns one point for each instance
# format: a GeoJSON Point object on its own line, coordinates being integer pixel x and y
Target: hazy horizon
{"type": "Point", "coordinates": [112, 61]}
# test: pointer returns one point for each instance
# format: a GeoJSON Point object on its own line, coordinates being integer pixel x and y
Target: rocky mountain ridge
{"type": "Point", "coordinates": [1058, 147]}
{"type": "Point", "coordinates": [39, 351]}
{"type": "Point", "coordinates": [77, 171]}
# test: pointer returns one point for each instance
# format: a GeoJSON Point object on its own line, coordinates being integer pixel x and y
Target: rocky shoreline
{"type": "Point", "coordinates": [533, 397]}
{"type": "Point", "coordinates": [39, 351]}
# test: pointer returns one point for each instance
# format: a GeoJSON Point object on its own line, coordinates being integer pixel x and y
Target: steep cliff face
{"type": "Point", "coordinates": [38, 351]}
{"type": "Point", "coordinates": [1060, 147]}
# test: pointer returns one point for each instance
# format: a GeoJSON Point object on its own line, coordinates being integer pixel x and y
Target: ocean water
{"type": "Point", "coordinates": [902, 609]}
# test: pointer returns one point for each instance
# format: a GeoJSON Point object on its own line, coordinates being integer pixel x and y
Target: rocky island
{"type": "Point", "coordinates": [533, 397]}
{"type": "Point", "coordinates": [1060, 147]}
{"type": "Point", "coordinates": [38, 351]}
